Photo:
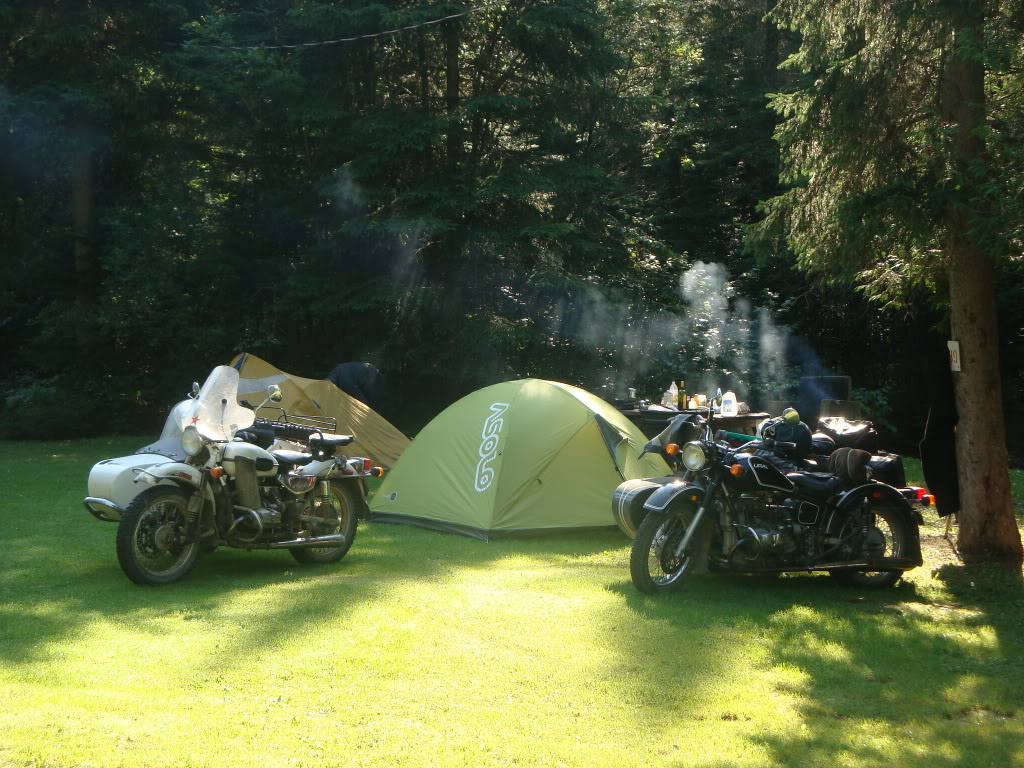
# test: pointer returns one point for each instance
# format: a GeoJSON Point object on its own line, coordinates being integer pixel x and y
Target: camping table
{"type": "Point", "coordinates": [652, 422]}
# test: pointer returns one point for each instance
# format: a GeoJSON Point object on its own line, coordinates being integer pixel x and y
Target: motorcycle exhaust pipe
{"type": "Point", "coordinates": [319, 541]}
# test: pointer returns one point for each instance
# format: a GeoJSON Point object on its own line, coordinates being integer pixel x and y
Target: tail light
{"type": "Point", "coordinates": [922, 497]}
{"type": "Point", "coordinates": [367, 465]}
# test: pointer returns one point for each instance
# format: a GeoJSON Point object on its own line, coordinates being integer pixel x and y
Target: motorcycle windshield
{"type": "Point", "coordinates": [681, 430]}
{"type": "Point", "coordinates": [215, 412]}
{"type": "Point", "coordinates": [180, 414]}
{"type": "Point", "coordinates": [169, 443]}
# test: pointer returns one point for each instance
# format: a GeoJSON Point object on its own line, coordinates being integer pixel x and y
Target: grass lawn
{"type": "Point", "coordinates": [426, 649]}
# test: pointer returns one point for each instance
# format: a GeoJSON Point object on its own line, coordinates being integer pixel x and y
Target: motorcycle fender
{"type": "Point", "coordinates": [322, 469]}
{"type": "Point", "coordinates": [664, 497]}
{"type": "Point", "coordinates": [332, 470]}
{"type": "Point", "coordinates": [875, 493]}
{"type": "Point", "coordinates": [186, 477]}
{"type": "Point", "coordinates": [176, 472]}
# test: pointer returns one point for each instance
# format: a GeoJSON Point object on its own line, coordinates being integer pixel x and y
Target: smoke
{"type": "Point", "coordinates": [346, 193]}
{"type": "Point", "coordinates": [715, 338]}
{"type": "Point", "coordinates": [390, 248]}
{"type": "Point", "coordinates": [772, 345]}
{"type": "Point", "coordinates": [706, 290]}
{"type": "Point", "coordinates": [710, 336]}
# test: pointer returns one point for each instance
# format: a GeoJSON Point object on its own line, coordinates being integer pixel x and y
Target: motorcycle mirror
{"type": "Point", "coordinates": [274, 393]}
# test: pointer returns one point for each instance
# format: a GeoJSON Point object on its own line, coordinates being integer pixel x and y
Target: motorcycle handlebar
{"type": "Point", "coordinates": [768, 442]}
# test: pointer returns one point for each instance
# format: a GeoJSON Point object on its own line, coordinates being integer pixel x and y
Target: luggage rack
{"type": "Point", "coordinates": [319, 423]}
{"type": "Point", "coordinates": [323, 423]}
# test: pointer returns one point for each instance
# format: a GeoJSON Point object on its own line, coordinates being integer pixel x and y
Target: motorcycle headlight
{"type": "Point", "coordinates": [191, 441]}
{"type": "Point", "coordinates": [300, 483]}
{"type": "Point", "coordinates": [693, 456]}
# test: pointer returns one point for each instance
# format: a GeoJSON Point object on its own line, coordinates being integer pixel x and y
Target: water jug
{"type": "Point", "coordinates": [729, 405]}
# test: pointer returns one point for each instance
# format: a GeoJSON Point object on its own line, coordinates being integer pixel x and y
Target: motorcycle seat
{"type": "Point", "coordinates": [815, 483]}
{"type": "Point", "coordinates": [330, 441]}
{"type": "Point", "coordinates": [292, 458]}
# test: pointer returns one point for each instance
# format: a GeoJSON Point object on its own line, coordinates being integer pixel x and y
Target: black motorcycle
{"type": "Point", "coordinates": [735, 510]}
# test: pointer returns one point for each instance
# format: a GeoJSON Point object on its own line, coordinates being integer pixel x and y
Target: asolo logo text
{"type": "Point", "coordinates": [489, 447]}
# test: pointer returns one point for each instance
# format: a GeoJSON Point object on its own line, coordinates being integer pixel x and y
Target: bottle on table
{"type": "Point", "coordinates": [671, 397]}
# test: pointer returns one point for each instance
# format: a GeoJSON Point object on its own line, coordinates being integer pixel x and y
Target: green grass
{"type": "Point", "coordinates": [425, 649]}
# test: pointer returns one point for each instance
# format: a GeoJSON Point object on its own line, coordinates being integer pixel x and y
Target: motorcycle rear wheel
{"type": "Point", "coordinates": [346, 505]}
{"type": "Point", "coordinates": [653, 566]}
{"type": "Point", "coordinates": [891, 535]}
{"type": "Point", "coordinates": [151, 546]}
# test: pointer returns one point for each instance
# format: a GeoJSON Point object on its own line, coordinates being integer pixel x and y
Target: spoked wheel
{"type": "Point", "coordinates": [151, 543]}
{"type": "Point", "coordinates": [338, 516]}
{"type": "Point", "coordinates": [653, 563]}
{"type": "Point", "coordinates": [888, 535]}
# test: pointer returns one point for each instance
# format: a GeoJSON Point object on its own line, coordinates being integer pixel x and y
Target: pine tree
{"type": "Point", "coordinates": [884, 144]}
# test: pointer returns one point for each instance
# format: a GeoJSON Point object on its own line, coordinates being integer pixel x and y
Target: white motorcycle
{"type": "Point", "coordinates": [220, 476]}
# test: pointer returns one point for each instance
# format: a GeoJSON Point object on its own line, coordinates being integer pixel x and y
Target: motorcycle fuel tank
{"type": "Point", "coordinates": [759, 473]}
{"type": "Point", "coordinates": [266, 464]}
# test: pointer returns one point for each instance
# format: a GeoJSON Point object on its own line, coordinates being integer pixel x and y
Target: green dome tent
{"type": "Point", "coordinates": [517, 456]}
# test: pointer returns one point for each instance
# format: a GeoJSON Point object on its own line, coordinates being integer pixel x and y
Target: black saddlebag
{"type": "Point", "coordinates": [888, 468]}
{"type": "Point", "coordinates": [849, 433]}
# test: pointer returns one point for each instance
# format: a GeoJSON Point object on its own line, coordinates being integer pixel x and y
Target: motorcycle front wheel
{"type": "Point", "coordinates": [653, 564]}
{"type": "Point", "coordinates": [888, 536]}
{"type": "Point", "coordinates": [340, 515]}
{"type": "Point", "coordinates": [151, 545]}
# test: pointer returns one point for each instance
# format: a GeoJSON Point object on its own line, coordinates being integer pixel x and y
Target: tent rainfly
{"type": "Point", "coordinates": [517, 456]}
{"type": "Point", "coordinates": [376, 437]}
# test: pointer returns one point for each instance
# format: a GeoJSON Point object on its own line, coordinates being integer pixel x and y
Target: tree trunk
{"type": "Point", "coordinates": [451, 42]}
{"type": "Point", "coordinates": [988, 528]}
{"type": "Point", "coordinates": [424, 72]}
{"type": "Point", "coordinates": [453, 242]}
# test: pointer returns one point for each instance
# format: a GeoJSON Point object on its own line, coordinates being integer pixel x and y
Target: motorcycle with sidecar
{"type": "Point", "coordinates": [219, 475]}
{"type": "Point", "coordinates": [737, 509]}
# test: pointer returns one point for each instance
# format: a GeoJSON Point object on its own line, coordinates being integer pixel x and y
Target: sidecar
{"type": "Point", "coordinates": [113, 483]}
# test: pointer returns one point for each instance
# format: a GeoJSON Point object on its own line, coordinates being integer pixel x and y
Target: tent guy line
{"type": "Point", "coordinates": [485, 6]}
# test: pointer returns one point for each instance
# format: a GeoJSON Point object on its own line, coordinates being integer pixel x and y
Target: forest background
{"type": "Point", "coordinates": [593, 191]}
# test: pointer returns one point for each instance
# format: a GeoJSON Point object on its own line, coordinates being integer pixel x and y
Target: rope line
{"type": "Point", "coordinates": [483, 7]}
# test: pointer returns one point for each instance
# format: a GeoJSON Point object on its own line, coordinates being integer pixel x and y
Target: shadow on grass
{"type": "Point", "coordinates": [874, 678]}
{"type": "Point", "coordinates": [59, 573]}
{"type": "Point", "coordinates": [870, 678]}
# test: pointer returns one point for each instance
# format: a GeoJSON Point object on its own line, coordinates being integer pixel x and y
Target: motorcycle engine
{"type": "Point", "coordinates": [270, 515]}
{"type": "Point", "coordinates": [767, 532]}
